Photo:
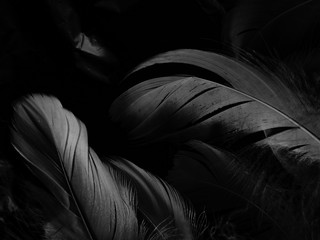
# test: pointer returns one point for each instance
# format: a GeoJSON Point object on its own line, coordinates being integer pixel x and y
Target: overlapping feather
{"type": "Point", "coordinates": [264, 118]}
{"type": "Point", "coordinates": [91, 199]}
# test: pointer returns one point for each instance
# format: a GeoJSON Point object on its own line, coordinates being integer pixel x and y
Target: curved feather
{"type": "Point", "coordinates": [158, 202]}
{"type": "Point", "coordinates": [277, 87]}
{"type": "Point", "coordinates": [194, 108]}
{"type": "Point", "coordinates": [54, 144]}
{"type": "Point", "coordinates": [268, 119]}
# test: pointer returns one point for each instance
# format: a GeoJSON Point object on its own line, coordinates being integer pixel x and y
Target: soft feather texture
{"type": "Point", "coordinates": [274, 85]}
{"type": "Point", "coordinates": [267, 117]}
{"type": "Point", "coordinates": [158, 202]}
{"type": "Point", "coordinates": [278, 87]}
{"type": "Point", "coordinates": [54, 143]}
{"type": "Point", "coordinates": [246, 196]}
{"type": "Point", "coordinates": [88, 199]}
{"type": "Point", "coordinates": [201, 109]}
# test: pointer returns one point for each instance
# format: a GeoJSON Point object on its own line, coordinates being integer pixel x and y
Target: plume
{"type": "Point", "coordinates": [198, 108]}
{"type": "Point", "coordinates": [278, 87]}
{"type": "Point", "coordinates": [89, 203]}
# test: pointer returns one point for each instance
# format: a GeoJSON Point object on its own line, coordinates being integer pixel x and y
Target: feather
{"type": "Point", "coordinates": [201, 109]}
{"type": "Point", "coordinates": [246, 197]}
{"type": "Point", "coordinates": [88, 199]}
{"type": "Point", "coordinates": [159, 203]}
{"type": "Point", "coordinates": [275, 85]}
{"type": "Point", "coordinates": [265, 118]}
{"type": "Point", "coordinates": [139, 90]}
{"type": "Point", "coordinates": [90, 55]}
{"type": "Point", "coordinates": [272, 27]}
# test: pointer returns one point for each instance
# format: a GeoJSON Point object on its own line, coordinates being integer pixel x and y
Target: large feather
{"type": "Point", "coordinates": [276, 86]}
{"type": "Point", "coordinates": [160, 204]}
{"type": "Point", "coordinates": [194, 108]}
{"type": "Point", "coordinates": [55, 145]}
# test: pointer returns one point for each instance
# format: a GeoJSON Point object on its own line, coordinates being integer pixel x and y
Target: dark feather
{"type": "Point", "coordinates": [233, 186]}
{"type": "Point", "coordinates": [274, 28]}
{"type": "Point", "coordinates": [200, 109]}
{"type": "Point", "coordinates": [265, 118]}
{"type": "Point", "coordinates": [91, 56]}
{"type": "Point", "coordinates": [275, 85]}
